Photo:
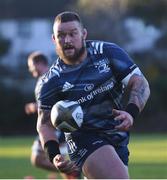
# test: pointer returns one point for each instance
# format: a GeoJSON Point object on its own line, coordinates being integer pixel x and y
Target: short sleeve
{"type": "Point", "coordinates": [120, 61]}
{"type": "Point", "coordinates": [47, 94]}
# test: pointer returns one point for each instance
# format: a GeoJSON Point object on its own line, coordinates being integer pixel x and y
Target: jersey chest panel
{"type": "Point", "coordinates": [87, 82]}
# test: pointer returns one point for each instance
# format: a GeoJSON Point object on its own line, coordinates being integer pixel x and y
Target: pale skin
{"type": "Point", "coordinates": [36, 70]}
{"type": "Point", "coordinates": [72, 33]}
{"type": "Point", "coordinates": [31, 108]}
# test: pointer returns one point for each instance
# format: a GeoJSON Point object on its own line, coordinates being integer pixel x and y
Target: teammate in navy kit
{"type": "Point", "coordinates": [95, 74]}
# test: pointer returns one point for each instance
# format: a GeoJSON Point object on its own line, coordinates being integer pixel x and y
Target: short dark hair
{"type": "Point", "coordinates": [68, 16]}
{"type": "Point", "coordinates": [38, 57]}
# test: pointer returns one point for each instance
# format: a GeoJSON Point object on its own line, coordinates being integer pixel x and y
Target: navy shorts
{"type": "Point", "coordinates": [82, 144]}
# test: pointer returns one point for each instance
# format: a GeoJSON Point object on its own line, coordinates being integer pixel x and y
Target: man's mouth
{"type": "Point", "coordinates": [68, 48]}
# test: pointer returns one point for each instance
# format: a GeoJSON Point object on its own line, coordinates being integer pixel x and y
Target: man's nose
{"type": "Point", "coordinates": [67, 39]}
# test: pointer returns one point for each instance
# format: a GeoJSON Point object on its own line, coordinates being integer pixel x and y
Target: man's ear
{"type": "Point", "coordinates": [53, 38]}
{"type": "Point", "coordinates": [84, 33]}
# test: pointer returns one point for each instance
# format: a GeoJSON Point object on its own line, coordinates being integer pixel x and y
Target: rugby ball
{"type": "Point", "coordinates": [67, 116]}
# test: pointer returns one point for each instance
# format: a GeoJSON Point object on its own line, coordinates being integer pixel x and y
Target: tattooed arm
{"type": "Point", "coordinates": [44, 127]}
{"type": "Point", "coordinates": [139, 93]}
{"type": "Point", "coordinates": [49, 143]}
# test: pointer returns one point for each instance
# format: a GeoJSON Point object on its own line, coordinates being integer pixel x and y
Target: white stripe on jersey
{"type": "Point", "coordinates": [55, 71]}
{"type": "Point", "coordinates": [98, 47]}
{"type": "Point", "coordinates": [135, 71]}
{"type": "Point", "coordinates": [101, 48]}
{"type": "Point", "coordinates": [93, 44]}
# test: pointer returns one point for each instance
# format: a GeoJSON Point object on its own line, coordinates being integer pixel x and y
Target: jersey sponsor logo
{"type": "Point", "coordinates": [67, 86]}
{"type": "Point", "coordinates": [89, 87]}
{"type": "Point", "coordinates": [102, 66]}
{"type": "Point", "coordinates": [92, 94]}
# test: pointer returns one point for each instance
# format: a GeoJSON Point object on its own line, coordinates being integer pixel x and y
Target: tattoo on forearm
{"type": "Point", "coordinates": [44, 116]}
{"type": "Point", "coordinates": [139, 91]}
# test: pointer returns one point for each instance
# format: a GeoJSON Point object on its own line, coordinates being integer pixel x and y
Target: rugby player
{"type": "Point", "coordinates": [95, 74]}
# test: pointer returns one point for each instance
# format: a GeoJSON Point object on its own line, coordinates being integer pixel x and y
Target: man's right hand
{"type": "Point", "coordinates": [64, 165]}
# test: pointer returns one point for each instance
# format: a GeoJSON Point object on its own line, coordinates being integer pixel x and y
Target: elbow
{"type": "Point", "coordinates": [38, 126]}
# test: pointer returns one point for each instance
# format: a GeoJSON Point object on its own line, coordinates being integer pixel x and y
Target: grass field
{"type": "Point", "coordinates": [148, 157]}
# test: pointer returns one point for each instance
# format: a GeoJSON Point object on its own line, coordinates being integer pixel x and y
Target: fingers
{"type": "Point", "coordinates": [115, 112]}
{"type": "Point", "coordinates": [69, 168]}
{"type": "Point", "coordinates": [59, 161]}
{"type": "Point", "coordinates": [59, 157]}
{"type": "Point", "coordinates": [119, 115]}
{"type": "Point", "coordinates": [124, 126]}
{"type": "Point", "coordinates": [126, 120]}
{"type": "Point", "coordinates": [64, 165]}
{"type": "Point", "coordinates": [30, 108]}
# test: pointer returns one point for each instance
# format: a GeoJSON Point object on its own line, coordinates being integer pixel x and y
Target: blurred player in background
{"type": "Point", "coordinates": [38, 66]}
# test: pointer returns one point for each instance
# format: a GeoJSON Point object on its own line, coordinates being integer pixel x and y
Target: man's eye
{"type": "Point", "coordinates": [60, 35]}
{"type": "Point", "coordinates": [74, 33]}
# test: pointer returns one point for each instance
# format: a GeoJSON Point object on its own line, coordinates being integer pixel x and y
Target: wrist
{"type": "Point", "coordinates": [51, 148]}
{"type": "Point", "coordinates": [133, 110]}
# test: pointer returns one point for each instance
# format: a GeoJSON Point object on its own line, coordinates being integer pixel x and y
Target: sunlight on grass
{"type": "Point", "coordinates": [148, 157]}
{"type": "Point", "coordinates": [145, 149]}
{"type": "Point", "coordinates": [15, 152]}
{"type": "Point", "coordinates": [148, 149]}
{"type": "Point", "coordinates": [16, 146]}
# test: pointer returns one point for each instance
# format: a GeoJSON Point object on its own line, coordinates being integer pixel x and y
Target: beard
{"type": "Point", "coordinates": [76, 54]}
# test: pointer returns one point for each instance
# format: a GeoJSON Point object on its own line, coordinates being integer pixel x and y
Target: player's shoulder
{"type": "Point", "coordinates": [101, 47]}
{"type": "Point", "coordinates": [46, 80]}
{"type": "Point", "coordinates": [53, 73]}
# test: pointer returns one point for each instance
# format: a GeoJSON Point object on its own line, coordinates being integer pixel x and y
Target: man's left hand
{"type": "Point", "coordinates": [125, 117]}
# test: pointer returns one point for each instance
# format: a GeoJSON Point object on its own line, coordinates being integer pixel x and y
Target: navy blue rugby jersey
{"type": "Point", "coordinates": [95, 84]}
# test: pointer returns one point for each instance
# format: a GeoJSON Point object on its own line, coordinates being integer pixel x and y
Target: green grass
{"type": "Point", "coordinates": [15, 159]}
{"type": "Point", "coordinates": [148, 157]}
